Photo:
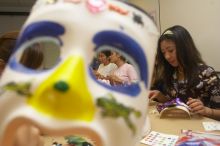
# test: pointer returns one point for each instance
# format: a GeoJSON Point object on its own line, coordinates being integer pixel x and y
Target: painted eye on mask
{"type": "Point", "coordinates": [38, 49]}
{"type": "Point", "coordinates": [38, 55]}
{"type": "Point", "coordinates": [114, 67]}
{"type": "Point", "coordinates": [123, 66]}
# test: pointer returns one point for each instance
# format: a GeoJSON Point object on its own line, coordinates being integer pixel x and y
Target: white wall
{"type": "Point", "coordinates": [201, 18]}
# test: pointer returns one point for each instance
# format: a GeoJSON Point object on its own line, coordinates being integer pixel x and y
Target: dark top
{"type": "Point", "coordinates": [205, 86]}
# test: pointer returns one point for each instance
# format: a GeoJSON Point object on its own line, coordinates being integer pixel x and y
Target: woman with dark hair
{"type": "Point", "coordinates": [105, 67]}
{"type": "Point", "coordinates": [185, 74]}
{"type": "Point", "coordinates": [32, 56]}
{"type": "Point", "coordinates": [125, 74]}
{"type": "Point", "coordinates": [7, 44]}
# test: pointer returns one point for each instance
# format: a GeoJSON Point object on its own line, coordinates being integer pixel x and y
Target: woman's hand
{"type": "Point", "coordinates": [114, 80]}
{"type": "Point", "coordinates": [197, 106]}
{"type": "Point", "coordinates": [28, 136]}
{"type": "Point", "coordinates": [153, 94]}
{"type": "Point", "coordinates": [96, 74]}
{"type": "Point", "coordinates": [157, 96]}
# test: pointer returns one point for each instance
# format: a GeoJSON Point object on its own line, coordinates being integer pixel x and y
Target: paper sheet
{"type": "Point", "coordinates": [211, 126]}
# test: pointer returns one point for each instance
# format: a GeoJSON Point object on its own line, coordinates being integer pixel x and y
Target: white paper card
{"type": "Point", "coordinates": [211, 126]}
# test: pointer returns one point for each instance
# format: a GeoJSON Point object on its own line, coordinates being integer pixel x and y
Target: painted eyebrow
{"type": "Point", "coordinates": [33, 30]}
{"type": "Point", "coordinates": [127, 45]}
{"type": "Point", "coordinates": [42, 28]}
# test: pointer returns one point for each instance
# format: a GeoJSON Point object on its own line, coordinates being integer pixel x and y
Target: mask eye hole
{"type": "Point", "coordinates": [33, 56]}
{"type": "Point", "coordinates": [37, 55]}
{"type": "Point", "coordinates": [134, 54]}
{"type": "Point", "coordinates": [114, 68]}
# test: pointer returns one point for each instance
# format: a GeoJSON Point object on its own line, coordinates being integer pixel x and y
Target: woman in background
{"type": "Point", "coordinates": [7, 44]}
{"type": "Point", "coordinates": [106, 67]}
{"type": "Point", "coordinates": [125, 74]}
{"type": "Point", "coordinates": [185, 74]}
{"type": "Point", "coordinates": [25, 135]}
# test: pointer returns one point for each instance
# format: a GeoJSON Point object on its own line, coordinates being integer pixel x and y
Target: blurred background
{"type": "Point", "coordinates": [200, 17]}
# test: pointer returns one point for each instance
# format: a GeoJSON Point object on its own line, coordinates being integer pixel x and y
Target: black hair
{"type": "Point", "coordinates": [7, 44]}
{"type": "Point", "coordinates": [187, 54]}
{"type": "Point", "coordinates": [106, 52]}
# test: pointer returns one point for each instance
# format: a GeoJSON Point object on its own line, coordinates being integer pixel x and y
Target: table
{"type": "Point", "coordinates": [174, 125]}
{"type": "Point", "coordinates": [164, 125]}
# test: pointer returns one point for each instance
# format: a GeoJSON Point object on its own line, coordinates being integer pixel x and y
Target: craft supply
{"type": "Point", "coordinates": [197, 138]}
{"type": "Point", "coordinates": [211, 126]}
{"type": "Point", "coordinates": [159, 139]}
{"type": "Point", "coordinates": [174, 108]}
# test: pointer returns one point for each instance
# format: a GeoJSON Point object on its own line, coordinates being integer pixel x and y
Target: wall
{"type": "Point", "coordinates": [201, 18]}
{"type": "Point", "coordinates": [11, 22]}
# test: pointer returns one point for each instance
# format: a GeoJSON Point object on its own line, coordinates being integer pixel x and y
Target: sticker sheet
{"type": "Point", "coordinates": [159, 139]}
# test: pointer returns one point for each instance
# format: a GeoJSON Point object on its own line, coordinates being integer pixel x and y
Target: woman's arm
{"type": "Point", "coordinates": [198, 107]}
{"type": "Point", "coordinates": [210, 85]}
{"type": "Point", "coordinates": [114, 80]}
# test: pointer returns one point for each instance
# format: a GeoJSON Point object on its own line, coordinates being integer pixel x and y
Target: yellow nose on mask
{"type": "Point", "coordinates": [64, 94]}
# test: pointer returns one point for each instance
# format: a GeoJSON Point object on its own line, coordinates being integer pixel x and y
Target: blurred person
{"type": "Point", "coordinates": [7, 44]}
{"type": "Point", "coordinates": [105, 67]}
{"type": "Point", "coordinates": [125, 74]}
{"type": "Point", "coordinates": [25, 135]}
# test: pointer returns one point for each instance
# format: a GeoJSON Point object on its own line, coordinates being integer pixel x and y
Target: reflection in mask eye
{"type": "Point", "coordinates": [40, 55]}
{"type": "Point", "coordinates": [32, 56]}
{"type": "Point", "coordinates": [114, 68]}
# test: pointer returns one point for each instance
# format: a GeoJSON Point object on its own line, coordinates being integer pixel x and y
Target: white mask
{"type": "Point", "coordinates": [60, 94]}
